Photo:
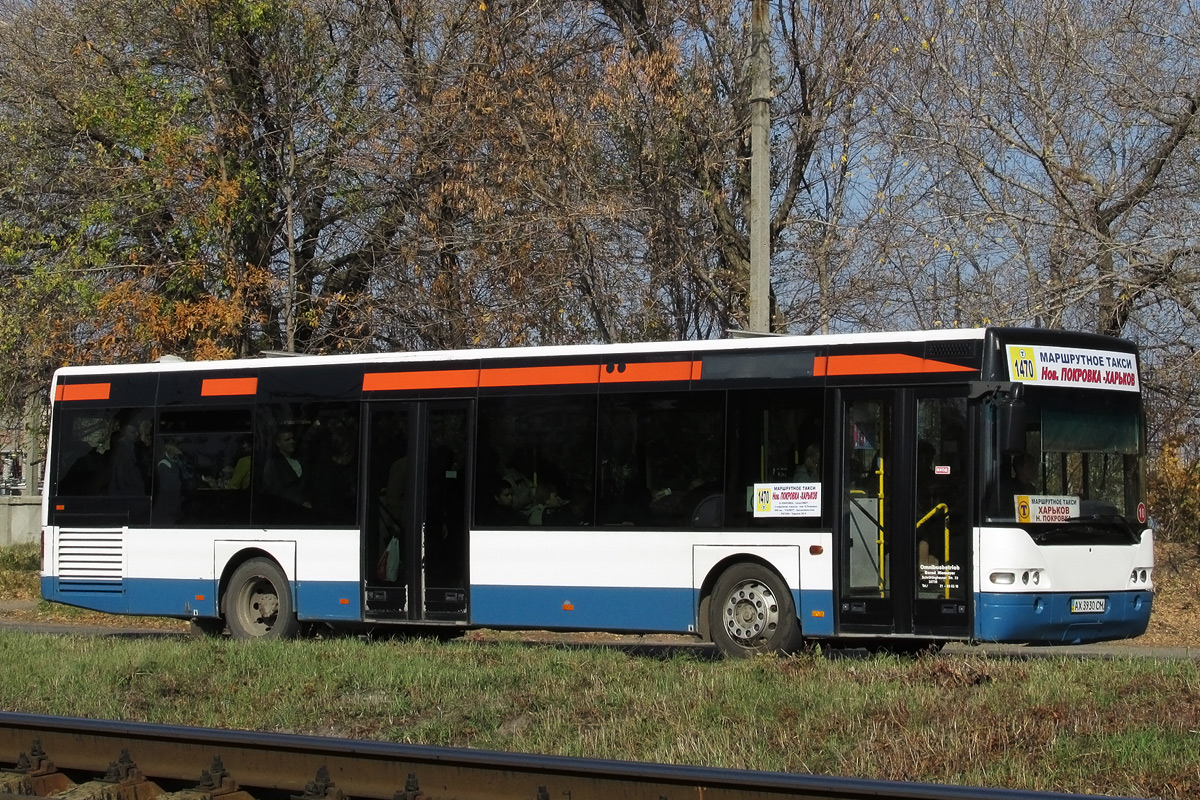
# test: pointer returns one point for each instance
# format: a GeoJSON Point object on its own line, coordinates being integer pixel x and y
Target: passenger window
{"type": "Point", "coordinates": [536, 461]}
{"type": "Point", "coordinates": [774, 438]}
{"type": "Point", "coordinates": [662, 459]}
{"type": "Point", "coordinates": [105, 452]}
{"type": "Point", "coordinates": [305, 465]}
{"type": "Point", "coordinates": [197, 451]}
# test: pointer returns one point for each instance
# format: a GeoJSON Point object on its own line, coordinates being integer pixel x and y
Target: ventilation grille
{"type": "Point", "coordinates": [91, 560]}
{"type": "Point", "coordinates": [968, 348]}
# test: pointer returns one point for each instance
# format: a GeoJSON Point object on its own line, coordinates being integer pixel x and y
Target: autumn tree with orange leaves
{"type": "Point", "coordinates": [217, 178]}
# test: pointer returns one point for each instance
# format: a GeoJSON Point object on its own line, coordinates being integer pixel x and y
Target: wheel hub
{"type": "Point", "coordinates": [751, 612]}
{"type": "Point", "coordinates": [265, 605]}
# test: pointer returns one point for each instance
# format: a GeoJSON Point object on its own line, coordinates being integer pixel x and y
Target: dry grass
{"type": "Point", "coordinates": [1176, 618]}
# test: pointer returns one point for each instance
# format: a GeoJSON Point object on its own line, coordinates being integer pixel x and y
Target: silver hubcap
{"type": "Point", "coordinates": [751, 612]}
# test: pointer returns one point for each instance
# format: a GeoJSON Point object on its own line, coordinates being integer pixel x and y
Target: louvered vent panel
{"type": "Point", "coordinates": [967, 348]}
{"type": "Point", "coordinates": [91, 560]}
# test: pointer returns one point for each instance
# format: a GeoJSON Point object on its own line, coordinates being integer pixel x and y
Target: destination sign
{"type": "Point", "coordinates": [1073, 366]}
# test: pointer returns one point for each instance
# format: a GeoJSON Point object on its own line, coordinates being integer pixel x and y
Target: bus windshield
{"type": "Point", "coordinates": [1079, 475]}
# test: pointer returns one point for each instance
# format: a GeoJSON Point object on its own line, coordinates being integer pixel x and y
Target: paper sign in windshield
{"type": "Point", "coordinates": [787, 499]}
{"type": "Point", "coordinates": [1046, 507]}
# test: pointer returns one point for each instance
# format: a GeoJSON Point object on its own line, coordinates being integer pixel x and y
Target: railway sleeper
{"type": "Point", "coordinates": [215, 782]}
{"type": "Point", "coordinates": [34, 774]}
{"type": "Point", "coordinates": [411, 791]}
{"type": "Point", "coordinates": [321, 788]}
{"type": "Point", "coordinates": [123, 781]}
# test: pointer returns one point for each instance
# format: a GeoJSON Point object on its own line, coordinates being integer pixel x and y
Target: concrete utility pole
{"type": "Point", "coordinates": [760, 169]}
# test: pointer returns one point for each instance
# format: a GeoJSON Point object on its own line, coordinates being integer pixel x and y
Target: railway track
{"type": "Point", "coordinates": [83, 759]}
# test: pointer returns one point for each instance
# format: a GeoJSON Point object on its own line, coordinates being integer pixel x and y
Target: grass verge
{"type": "Point", "coordinates": [19, 565]}
{"type": "Point", "coordinates": [1127, 727]}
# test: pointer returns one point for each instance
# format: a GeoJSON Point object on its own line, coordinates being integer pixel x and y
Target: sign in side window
{"type": "Point", "coordinates": [787, 499]}
{"type": "Point", "coordinates": [1073, 366]}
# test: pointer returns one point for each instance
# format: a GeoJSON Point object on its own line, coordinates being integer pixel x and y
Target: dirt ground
{"type": "Point", "coordinates": [1176, 618]}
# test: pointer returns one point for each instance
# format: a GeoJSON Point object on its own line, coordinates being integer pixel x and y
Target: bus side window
{"type": "Point", "coordinates": [100, 466]}
{"type": "Point", "coordinates": [85, 455]}
{"type": "Point", "coordinates": [305, 464]}
{"type": "Point", "coordinates": [196, 450]}
{"type": "Point", "coordinates": [773, 437]}
{"type": "Point", "coordinates": [661, 459]}
{"type": "Point", "coordinates": [535, 462]}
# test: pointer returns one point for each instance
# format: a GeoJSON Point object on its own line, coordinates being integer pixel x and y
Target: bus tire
{"type": "Point", "coordinates": [258, 602]}
{"type": "Point", "coordinates": [752, 613]}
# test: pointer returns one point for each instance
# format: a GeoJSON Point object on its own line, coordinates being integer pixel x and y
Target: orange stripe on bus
{"type": "Point", "coordinates": [653, 371]}
{"type": "Point", "coordinates": [530, 376]}
{"type": "Point", "coordinates": [429, 379]}
{"type": "Point", "coordinates": [222, 387]}
{"type": "Point", "coordinates": [540, 376]}
{"type": "Point", "coordinates": [888, 364]}
{"type": "Point", "coordinates": [83, 391]}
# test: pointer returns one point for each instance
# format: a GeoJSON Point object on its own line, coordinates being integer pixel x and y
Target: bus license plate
{"type": "Point", "coordinates": [1087, 605]}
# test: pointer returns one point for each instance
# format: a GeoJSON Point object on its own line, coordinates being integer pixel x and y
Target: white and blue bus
{"type": "Point", "coordinates": [910, 488]}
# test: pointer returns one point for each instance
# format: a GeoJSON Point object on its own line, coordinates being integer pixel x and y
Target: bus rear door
{"type": "Point", "coordinates": [415, 540]}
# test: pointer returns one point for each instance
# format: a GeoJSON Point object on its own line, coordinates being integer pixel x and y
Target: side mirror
{"type": "Point", "coordinates": [1011, 417]}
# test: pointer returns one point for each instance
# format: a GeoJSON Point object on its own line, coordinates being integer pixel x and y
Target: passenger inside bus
{"type": "Point", "coordinates": [129, 466]}
{"type": "Point", "coordinates": [550, 508]}
{"type": "Point", "coordinates": [500, 512]}
{"type": "Point", "coordinates": [171, 486]}
{"type": "Point", "coordinates": [332, 479]}
{"type": "Point", "coordinates": [239, 478]}
{"type": "Point", "coordinates": [809, 469]}
{"type": "Point", "coordinates": [283, 476]}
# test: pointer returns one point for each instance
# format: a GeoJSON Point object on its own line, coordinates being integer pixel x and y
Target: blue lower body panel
{"type": "Point", "coordinates": [815, 609]}
{"type": "Point", "coordinates": [585, 608]}
{"type": "Point", "coordinates": [617, 608]}
{"type": "Point", "coordinates": [315, 600]}
{"type": "Point", "coordinates": [1047, 618]}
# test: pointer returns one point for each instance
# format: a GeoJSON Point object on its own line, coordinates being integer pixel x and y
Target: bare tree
{"type": "Point", "coordinates": [1060, 140]}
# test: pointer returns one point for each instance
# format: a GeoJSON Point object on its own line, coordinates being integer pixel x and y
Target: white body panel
{"type": "Point", "coordinates": [202, 553]}
{"type": "Point", "coordinates": [1061, 568]}
{"type": "Point", "coordinates": [618, 558]}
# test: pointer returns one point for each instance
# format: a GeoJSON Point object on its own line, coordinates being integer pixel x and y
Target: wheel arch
{"type": "Point", "coordinates": [239, 558]}
{"type": "Point", "coordinates": [714, 574]}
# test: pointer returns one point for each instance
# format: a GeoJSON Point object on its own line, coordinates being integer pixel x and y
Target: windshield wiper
{"type": "Point", "coordinates": [1099, 523]}
{"type": "Point", "coordinates": [1115, 520]}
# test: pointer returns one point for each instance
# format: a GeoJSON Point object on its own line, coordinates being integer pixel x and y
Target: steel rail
{"type": "Point", "coordinates": [268, 764]}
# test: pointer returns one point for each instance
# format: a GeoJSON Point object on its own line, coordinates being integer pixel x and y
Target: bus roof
{"type": "Point", "coordinates": [740, 343]}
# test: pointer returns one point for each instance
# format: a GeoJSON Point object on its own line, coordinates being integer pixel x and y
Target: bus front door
{"type": "Point", "coordinates": [902, 528]}
{"type": "Point", "coordinates": [415, 540]}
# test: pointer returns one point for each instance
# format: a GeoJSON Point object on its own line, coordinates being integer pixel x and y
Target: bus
{"type": "Point", "coordinates": [877, 489]}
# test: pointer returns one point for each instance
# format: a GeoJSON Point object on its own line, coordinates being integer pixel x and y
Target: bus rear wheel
{"type": "Point", "coordinates": [258, 602]}
{"type": "Point", "coordinates": [751, 612]}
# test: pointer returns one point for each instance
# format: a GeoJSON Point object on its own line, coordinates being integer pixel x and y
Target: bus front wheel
{"type": "Point", "coordinates": [258, 602]}
{"type": "Point", "coordinates": [751, 612]}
